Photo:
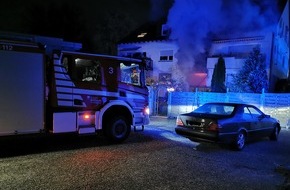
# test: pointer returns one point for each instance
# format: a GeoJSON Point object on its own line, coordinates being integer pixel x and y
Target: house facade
{"type": "Point", "coordinates": [161, 52]}
{"type": "Point", "coordinates": [152, 41]}
{"type": "Point", "coordinates": [235, 52]}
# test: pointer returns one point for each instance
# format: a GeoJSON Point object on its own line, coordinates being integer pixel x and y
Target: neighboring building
{"type": "Point", "coordinates": [274, 45]}
{"type": "Point", "coordinates": [235, 52]}
{"type": "Point", "coordinates": [281, 66]}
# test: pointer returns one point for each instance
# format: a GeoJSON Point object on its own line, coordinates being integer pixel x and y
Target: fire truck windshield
{"type": "Point", "coordinates": [130, 73]}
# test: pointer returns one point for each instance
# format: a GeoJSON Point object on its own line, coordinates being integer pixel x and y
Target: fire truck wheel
{"type": "Point", "coordinates": [117, 129]}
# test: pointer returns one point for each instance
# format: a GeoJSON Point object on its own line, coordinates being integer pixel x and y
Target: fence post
{"type": "Point", "coordinates": [196, 103]}
{"type": "Point", "coordinates": [227, 95]}
{"type": "Point", "coordinates": [169, 104]}
{"type": "Point", "coordinates": [262, 100]}
{"type": "Point", "coordinates": [151, 99]}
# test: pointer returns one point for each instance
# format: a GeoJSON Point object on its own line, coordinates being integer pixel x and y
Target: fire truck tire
{"type": "Point", "coordinates": [117, 129]}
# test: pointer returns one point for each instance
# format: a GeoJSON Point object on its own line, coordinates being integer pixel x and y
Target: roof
{"type": "Point", "coordinates": [255, 38]}
{"type": "Point", "coordinates": [151, 31]}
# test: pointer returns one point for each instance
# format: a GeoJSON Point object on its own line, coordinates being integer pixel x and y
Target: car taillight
{"type": "Point", "coordinates": [213, 126]}
{"type": "Point", "coordinates": [178, 121]}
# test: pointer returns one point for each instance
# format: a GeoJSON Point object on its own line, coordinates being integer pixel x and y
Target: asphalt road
{"type": "Point", "coordinates": [154, 159]}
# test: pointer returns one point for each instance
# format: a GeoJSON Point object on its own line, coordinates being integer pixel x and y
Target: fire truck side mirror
{"type": "Point", "coordinates": [148, 62]}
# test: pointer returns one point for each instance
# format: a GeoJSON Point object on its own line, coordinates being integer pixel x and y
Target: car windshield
{"type": "Point", "coordinates": [217, 109]}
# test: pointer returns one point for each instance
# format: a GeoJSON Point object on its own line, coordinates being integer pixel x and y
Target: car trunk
{"type": "Point", "coordinates": [201, 122]}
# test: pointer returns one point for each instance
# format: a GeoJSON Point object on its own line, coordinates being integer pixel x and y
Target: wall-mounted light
{"type": "Point", "coordinates": [142, 35]}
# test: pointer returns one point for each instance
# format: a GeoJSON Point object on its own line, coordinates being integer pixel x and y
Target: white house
{"type": "Point", "coordinates": [235, 52]}
{"type": "Point", "coordinates": [161, 53]}
{"type": "Point", "coordinates": [151, 40]}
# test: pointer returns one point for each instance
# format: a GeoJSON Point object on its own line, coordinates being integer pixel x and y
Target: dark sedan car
{"type": "Point", "coordinates": [230, 123]}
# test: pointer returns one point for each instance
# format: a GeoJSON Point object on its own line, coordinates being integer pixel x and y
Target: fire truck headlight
{"type": "Point", "coordinates": [147, 111]}
{"type": "Point", "coordinates": [86, 116]}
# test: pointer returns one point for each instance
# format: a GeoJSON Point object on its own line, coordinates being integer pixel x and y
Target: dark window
{"type": "Point", "coordinates": [166, 55]}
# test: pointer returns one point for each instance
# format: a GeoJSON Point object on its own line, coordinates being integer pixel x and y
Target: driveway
{"type": "Point", "coordinates": [277, 153]}
{"type": "Point", "coordinates": [156, 158]}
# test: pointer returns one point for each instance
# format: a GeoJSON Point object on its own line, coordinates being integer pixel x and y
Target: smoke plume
{"type": "Point", "coordinates": [194, 23]}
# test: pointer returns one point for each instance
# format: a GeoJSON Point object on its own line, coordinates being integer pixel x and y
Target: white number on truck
{"type": "Point", "coordinates": [111, 70]}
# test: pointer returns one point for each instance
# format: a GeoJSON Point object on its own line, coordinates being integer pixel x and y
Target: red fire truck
{"type": "Point", "coordinates": [70, 92]}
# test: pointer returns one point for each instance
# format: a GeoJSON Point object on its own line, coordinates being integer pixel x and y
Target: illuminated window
{"type": "Point", "coordinates": [166, 55]}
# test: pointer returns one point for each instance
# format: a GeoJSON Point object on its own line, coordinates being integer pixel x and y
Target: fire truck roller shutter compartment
{"type": "Point", "coordinates": [22, 90]}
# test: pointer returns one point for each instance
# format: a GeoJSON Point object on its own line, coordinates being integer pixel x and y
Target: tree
{"type": "Point", "coordinates": [98, 28]}
{"type": "Point", "coordinates": [252, 77]}
{"type": "Point", "coordinates": [218, 77]}
{"type": "Point", "coordinates": [62, 20]}
{"type": "Point", "coordinates": [109, 31]}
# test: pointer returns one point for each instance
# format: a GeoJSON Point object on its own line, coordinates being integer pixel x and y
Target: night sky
{"type": "Point", "coordinates": [99, 24]}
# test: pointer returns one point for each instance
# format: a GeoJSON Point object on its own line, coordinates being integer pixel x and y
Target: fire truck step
{"type": "Point", "coordinates": [87, 129]}
{"type": "Point", "coordinates": [136, 130]}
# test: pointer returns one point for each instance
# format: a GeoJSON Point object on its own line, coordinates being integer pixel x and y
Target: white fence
{"type": "Point", "coordinates": [277, 105]}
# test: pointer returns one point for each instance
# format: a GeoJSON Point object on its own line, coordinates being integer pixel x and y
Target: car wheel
{"type": "Point", "coordinates": [274, 135]}
{"type": "Point", "coordinates": [117, 129]}
{"type": "Point", "coordinates": [240, 141]}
